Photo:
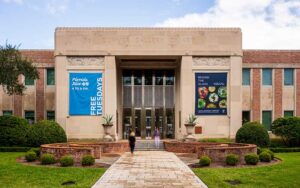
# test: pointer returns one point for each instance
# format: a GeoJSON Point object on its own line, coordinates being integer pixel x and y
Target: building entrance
{"type": "Point", "coordinates": [148, 102]}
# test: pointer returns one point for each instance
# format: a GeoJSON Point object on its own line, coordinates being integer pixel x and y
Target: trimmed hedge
{"type": "Point", "coordinates": [232, 159]}
{"type": "Point", "coordinates": [205, 161]}
{"type": "Point", "coordinates": [47, 159]}
{"type": "Point", "coordinates": [288, 128]}
{"type": "Point", "coordinates": [30, 156]}
{"type": "Point", "coordinates": [269, 152]}
{"type": "Point", "coordinates": [87, 160]}
{"type": "Point", "coordinates": [66, 161]}
{"type": "Point", "coordinates": [14, 149]}
{"type": "Point", "coordinates": [46, 132]}
{"type": "Point", "coordinates": [37, 151]}
{"type": "Point", "coordinates": [264, 156]}
{"type": "Point", "coordinates": [251, 159]}
{"type": "Point", "coordinates": [13, 131]}
{"type": "Point", "coordinates": [285, 150]}
{"type": "Point", "coordinates": [253, 133]}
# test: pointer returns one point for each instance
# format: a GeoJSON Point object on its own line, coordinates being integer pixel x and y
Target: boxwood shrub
{"type": "Point", "coordinates": [251, 159]}
{"type": "Point", "coordinates": [264, 157]}
{"type": "Point", "coordinates": [285, 150]}
{"type": "Point", "coordinates": [288, 128]}
{"type": "Point", "coordinates": [232, 159]}
{"type": "Point", "coordinates": [30, 156]}
{"type": "Point", "coordinates": [46, 132]}
{"type": "Point", "coordinates": [270, 152]}
{"type": "Point", "coordinates": [47, 159]}
{"type": "Point", "coordinates": [37, 151]}
{"type": "Point", "coordinates": [87, 160]}
{"type": "Point", "coordinates": [253, 133]}
{"type": "Point", "coordinates": [13, 131]}
{"type": "Point", "coordinates": [205, 161]}
{"type": "Point", "coordinates": [66, 161]}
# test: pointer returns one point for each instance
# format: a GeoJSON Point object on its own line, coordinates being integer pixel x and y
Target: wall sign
{"type": "Point", "coordinates": [86, 94]}
{"type": "Point", "coordinates": [211, 94]}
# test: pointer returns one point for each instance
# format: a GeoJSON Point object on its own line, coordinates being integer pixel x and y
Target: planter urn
{"type": "Point", "coordinates": [107, 129]}
{"type": "Point", "coordinates": [190, 130]}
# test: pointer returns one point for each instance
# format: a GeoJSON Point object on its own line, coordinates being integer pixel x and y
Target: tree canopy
{"type": "Point", "coordinates": [13, 65]}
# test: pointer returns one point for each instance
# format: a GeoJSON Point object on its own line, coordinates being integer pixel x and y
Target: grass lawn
{"type": "Point", "coordinates": [13, 174]}
{"type": "Point", "coordinates": [284, 174]}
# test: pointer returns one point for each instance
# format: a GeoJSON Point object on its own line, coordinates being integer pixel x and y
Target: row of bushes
{"type": "Point", "coordinates": [250, 159]}
{"type": "Point", "coordinates": [288, 128]}
{"type": "Point", "coordinates": [16, 131]}
{"type": "Point", "coordinates": [64, 161]}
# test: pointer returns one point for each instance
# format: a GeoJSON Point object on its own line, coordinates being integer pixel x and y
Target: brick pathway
{"type": "Point", "coordinates": [153, 169]}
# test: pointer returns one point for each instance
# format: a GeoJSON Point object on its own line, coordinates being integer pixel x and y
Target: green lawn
{"type": "Point", "coordinates": [13, 174]}
{"type": "Point", "coordinates": [285, 174]}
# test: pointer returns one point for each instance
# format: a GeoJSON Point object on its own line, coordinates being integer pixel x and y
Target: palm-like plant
{"type": "Point", "coordinates": [191, 119]}
{"type": "Point", "coordinates": [108, 119]}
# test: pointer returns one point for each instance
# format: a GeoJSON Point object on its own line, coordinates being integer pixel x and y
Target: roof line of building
{"type": "Point", "coordinates": [149, 28]}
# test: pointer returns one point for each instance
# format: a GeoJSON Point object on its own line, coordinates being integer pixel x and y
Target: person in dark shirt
{"type": "Point", "coordinates": [131, 140]}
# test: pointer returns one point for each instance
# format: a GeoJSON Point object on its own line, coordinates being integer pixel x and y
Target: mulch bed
{"type": "Point", "coordinates": [37, 163]}
{"type": "Point", "coordinates": [223, 165]}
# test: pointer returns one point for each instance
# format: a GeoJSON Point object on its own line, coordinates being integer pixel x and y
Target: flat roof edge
{"type": "Point", "coordinates": [151, 28]}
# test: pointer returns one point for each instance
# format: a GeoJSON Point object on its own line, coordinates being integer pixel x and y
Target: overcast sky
{"type": "Point", "coordinates": [266, 24]}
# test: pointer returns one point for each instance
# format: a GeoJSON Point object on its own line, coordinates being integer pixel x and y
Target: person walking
{"type": "Point", "coordinates": [156, 137]}
{"type": "Point", "coordinates": [131, 140]}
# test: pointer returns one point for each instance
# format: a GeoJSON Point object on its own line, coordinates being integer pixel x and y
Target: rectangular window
{"type": "Point", "coordinates": [267, 119]}
{"type": "Point", "coordinates": [288, 77]}
{"type": "Point", "coordinates": [29, 115]}
{"type": "Point", "coordinates": [50, 115]}
{"type": "Point", "coordinates": [28, 81]}
{"type": "Point", "coordinates": [288, 113]}
{"type": "Point", "coordinates": [7, 113]}
{"type": "Point", "coordinates": [245, 117]}
{"type": "Point", "coordinates": [267, 77]}
{"type": "Point", "coordinates": [50, 77]}
{"type": "Point", "coordinates": [246, 77]}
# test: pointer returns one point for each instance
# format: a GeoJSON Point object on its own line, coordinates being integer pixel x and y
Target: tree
{"type": "Point", "coordinates": [13, 65]}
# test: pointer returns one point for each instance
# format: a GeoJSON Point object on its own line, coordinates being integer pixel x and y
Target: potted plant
{"type": "Point", "coordinates": [190, 124]}
{"type": "Point", "coordinates": [107, 124]}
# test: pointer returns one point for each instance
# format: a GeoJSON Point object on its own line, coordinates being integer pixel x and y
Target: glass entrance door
{"type": "Point", "coordinates": [148, 100]}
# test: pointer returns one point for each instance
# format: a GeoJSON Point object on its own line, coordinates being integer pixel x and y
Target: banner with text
{"type": "Point", "coordinates": [86, 94]}
{"type": "Point", "coordinates": [211, 94]}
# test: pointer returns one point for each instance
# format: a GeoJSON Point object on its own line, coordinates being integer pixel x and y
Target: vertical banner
{"type": "Point", "coordinates": [85, 94]}
{"type": "Point", "coordinates": [211, 94]}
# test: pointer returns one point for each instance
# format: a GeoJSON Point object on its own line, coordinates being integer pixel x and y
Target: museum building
{"type": "Point", "coordinates": [157, 77]}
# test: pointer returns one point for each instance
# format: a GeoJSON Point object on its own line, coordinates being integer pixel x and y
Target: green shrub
{"type": "Point", "coordinates": [205, 161]}
{"type": "Point", "coordinates": [253, 133]}
{"type": "Point", "coordinates": [264, 156]}
{"type": "Point", "coordinates": [270, 152]}
{"type": "Point", "coordinates": [288, 128]}
{"type": "Point", "coordinates": [251, 159]}
{"type": "Point", "coordinates": [14, 149]}
{"type": "Point", "coordinates": [87, 160]}
{"type": "Point", "coordinates": [258, 150]}
{"type": "Point", "coordinates": [284, 150]}
{"type": "Point", "coordinates": [47, 159]}
{"type": "Point", "coordinates": [275, 142]}
{"type": "Point", "coordinates": [66, 161]}
{"type": "Point", "coordinates": [37, 151]}
{"type": "Point", "coordinates": [30, 156]}
{"type": "Point", "coordinates": [46, 132]}
{"type": "Point", "coordinates": [232, 159]}
{"type": "Point", "coordinates": [13, 131]}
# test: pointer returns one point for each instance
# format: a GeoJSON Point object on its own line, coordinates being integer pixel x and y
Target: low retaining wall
{"type": "Point", "coordinates": [216, 151]}
{"type": "Point", "coordinates": [78, 149]}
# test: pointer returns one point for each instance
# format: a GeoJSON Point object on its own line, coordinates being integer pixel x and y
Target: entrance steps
{"type": "Point", "coordinates": [148, 145]}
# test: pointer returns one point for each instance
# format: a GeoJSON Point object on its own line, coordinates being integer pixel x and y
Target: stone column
{"type": "Point", "coordinates": [187, 96]}
{"type": "Point", "coordinates": [110, 89]}
{"type": "Point", "coordinates": [235, 94]}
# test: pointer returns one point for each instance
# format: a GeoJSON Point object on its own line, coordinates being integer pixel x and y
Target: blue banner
{"type": "Point", "coordinates": [211, 94]}
{"type": "Point", "coordinates": [86, 94]}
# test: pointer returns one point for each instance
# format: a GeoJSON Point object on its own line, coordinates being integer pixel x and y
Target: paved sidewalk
{"type": "Point", "coordinates": [155, 169]}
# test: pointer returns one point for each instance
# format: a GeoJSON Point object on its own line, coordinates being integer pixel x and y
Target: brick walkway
{"type": "Point", "coordinates": [149, 169]}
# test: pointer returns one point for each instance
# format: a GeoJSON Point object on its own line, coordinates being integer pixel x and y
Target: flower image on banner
{"type": "Point", "coordinates": [211, 93]}
{"type": "Point", "coordinates": [86, 94]}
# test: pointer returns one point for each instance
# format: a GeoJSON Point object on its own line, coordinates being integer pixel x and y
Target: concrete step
{"type": "Point", "coordinates": [148, 145]}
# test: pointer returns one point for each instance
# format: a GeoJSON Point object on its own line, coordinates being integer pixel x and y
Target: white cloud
{"type": "Point", "coordinates": [57, 7]}
{"type": "Point", "coordinates": [266, 24]}
{"type": "Point", "coordinates": [19, 2]}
